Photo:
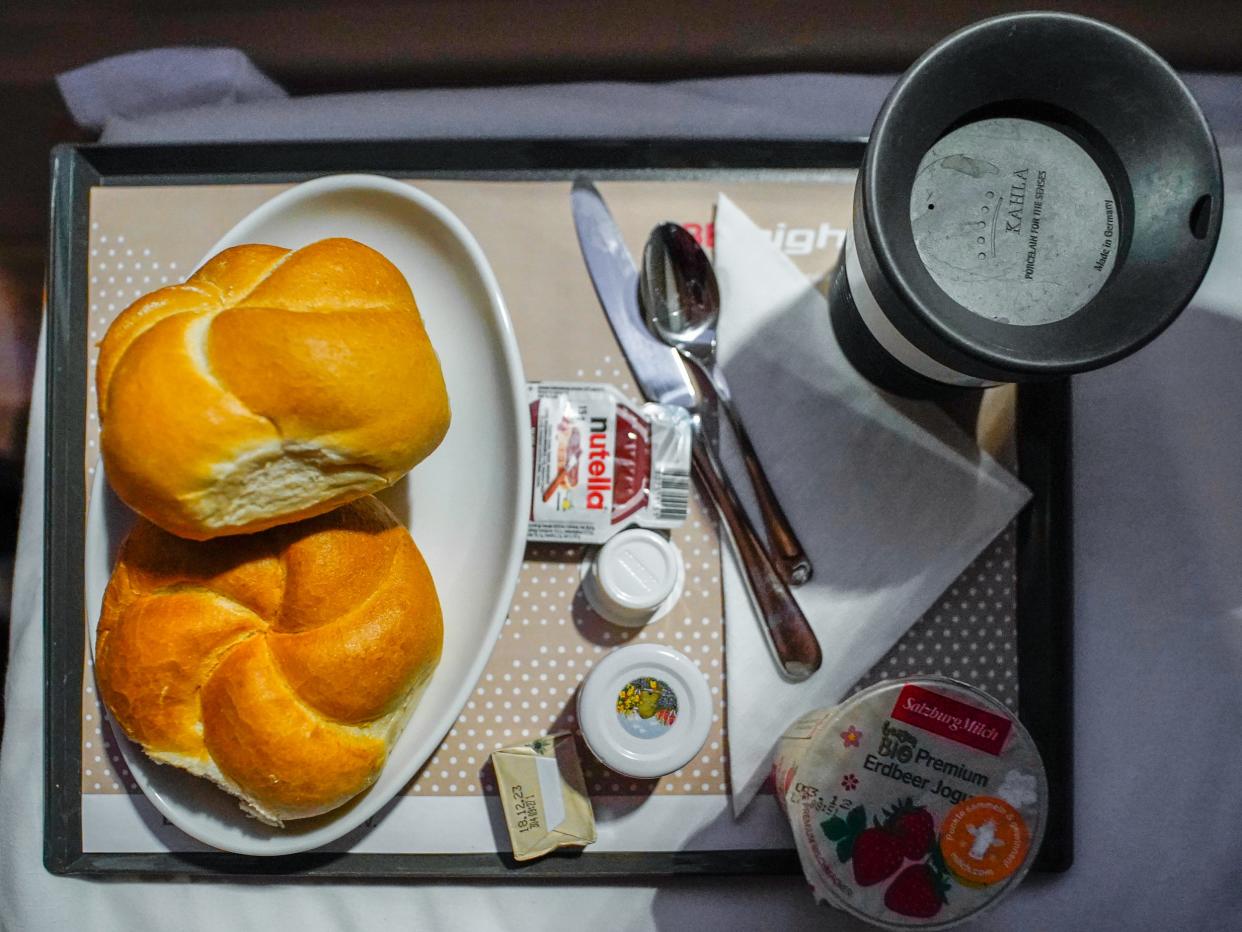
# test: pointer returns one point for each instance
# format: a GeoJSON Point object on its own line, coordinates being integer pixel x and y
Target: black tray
{"type": "Point", "coordinates": [1043, 566]}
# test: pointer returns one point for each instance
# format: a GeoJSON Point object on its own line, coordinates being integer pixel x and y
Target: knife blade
{"type": "Point", "coordinates": [657, 367]}
{"type": "Point", "coordinates": [662, 376]}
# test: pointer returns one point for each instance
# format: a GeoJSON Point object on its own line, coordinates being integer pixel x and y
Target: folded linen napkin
{"type": "Point", "coordinates": [890, 498]}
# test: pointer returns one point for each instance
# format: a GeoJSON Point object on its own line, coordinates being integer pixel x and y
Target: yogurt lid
{"type": "Point", "coordinates": [914, 803]}
{"type": "Point", "coordinates": [645, 710]}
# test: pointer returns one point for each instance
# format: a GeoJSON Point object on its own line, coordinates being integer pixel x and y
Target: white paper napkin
{"type": "Point", "coordinates": [890, 499]}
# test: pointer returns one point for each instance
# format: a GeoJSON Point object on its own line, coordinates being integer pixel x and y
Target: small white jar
{"type": "Point", "coordinates": [645, 710]}
{"type": "Point", "coordinates": [635, 578]}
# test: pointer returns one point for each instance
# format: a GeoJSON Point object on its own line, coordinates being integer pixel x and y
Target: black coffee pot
{"type": "Point", "coordinates": [1040, 196]}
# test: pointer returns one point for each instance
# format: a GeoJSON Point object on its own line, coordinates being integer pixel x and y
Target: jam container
{"type": "Point", "coordinates": [645, 710]}
{"type": "Point", "coordinates": [1040, 196]}
{"type": "Point", "coordinates": [915, 803]}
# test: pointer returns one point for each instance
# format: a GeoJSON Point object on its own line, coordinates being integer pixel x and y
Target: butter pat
{"type": "Point", "coordinates": [544, 796]}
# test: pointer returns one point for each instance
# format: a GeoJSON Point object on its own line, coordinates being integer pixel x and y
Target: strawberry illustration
{"type": "Point", "coordinates": [875, 852]}
{"type": "Point", "coordinates": [877, 855]}
{"type": "Point", "coordinates": [914, 827]}
{"type": "Point", "coordinates": [918, 891]}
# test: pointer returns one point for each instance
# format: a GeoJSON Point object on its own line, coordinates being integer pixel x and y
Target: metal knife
{"type": "Point", "coordinates": [656, 365]}
{"type": "Point", "coordinates": [661, 376]}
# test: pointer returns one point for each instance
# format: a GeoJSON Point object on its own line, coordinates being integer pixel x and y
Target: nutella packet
{"type": "Point", "coordinates": [544, 796]}
{"type": "Point", "coordinates": [602, 464]}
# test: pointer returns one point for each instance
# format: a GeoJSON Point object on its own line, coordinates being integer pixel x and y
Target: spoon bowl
{"type": "Point", "coordinates": [679, 292]}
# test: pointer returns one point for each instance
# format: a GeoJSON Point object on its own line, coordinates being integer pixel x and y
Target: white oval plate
{"type": "Point", "coordinates": [466, 505]}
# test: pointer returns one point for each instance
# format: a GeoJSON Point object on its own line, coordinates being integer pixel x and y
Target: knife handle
{"type": "Point", "coordinates": [789, 633]}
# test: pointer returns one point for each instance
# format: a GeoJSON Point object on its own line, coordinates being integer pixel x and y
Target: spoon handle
{"type": "Point", "coordinates": [791, 560]}
{"type": "Point", "coordinates": [790, 635]}
{"type": "Point", "coordinates": [788, 556]}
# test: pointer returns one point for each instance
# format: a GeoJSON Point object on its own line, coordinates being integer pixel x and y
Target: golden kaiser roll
{"type": "Point", "coordinates": [281, 665]}
{"type": "Point", "coordinates": [273, 385]}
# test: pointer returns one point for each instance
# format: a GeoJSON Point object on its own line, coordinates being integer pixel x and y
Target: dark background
{"type": "Point", "coordinates": [311, 46]}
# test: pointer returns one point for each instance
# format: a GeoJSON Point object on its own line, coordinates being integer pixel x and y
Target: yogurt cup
{"type": "Point", "coordinates": [914, 803]}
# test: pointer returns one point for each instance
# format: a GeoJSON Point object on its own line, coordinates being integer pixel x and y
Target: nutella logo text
{"type": "Point", "coordinates": [598, 481]}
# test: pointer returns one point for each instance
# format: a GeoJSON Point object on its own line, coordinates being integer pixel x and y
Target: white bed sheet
{"type": "Point", "coordinates": [1158, 560]}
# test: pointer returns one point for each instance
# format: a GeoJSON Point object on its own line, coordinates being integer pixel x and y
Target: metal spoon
{"type": "Point", "coordinates": [681, 300]}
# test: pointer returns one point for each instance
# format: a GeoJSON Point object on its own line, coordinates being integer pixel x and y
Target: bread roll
{"type": "Point", "coordinates": [272, 386]}
{"type": "Point", "coordinates": [280, 665]}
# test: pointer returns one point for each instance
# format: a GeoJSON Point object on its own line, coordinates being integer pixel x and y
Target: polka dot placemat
{"type": "Point", "coordinates": [552, 638]}
{"type": "Point", "coordinates": [969, 634]}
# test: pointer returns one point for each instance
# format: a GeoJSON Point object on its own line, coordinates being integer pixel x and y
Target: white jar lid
{"type": "Point", "coordinates": [634, 578]}
{"type": "Point", "coordinates": [645, 710]}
